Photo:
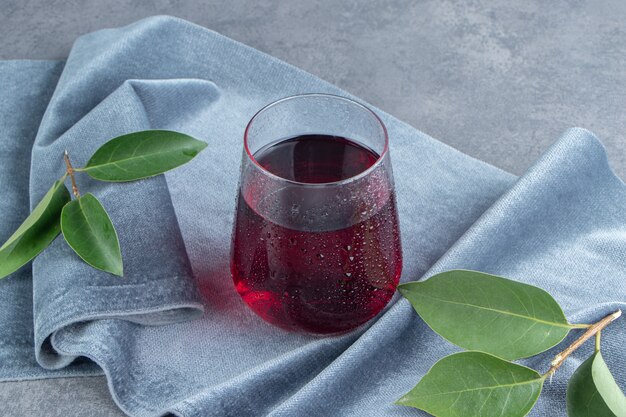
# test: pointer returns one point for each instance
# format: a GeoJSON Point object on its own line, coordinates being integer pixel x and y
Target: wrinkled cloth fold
{"type": "Point", "coordinates": [173, 336]}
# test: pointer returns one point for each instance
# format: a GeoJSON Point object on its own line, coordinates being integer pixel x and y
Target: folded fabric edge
{"type": "Point", "coordinates": [151, 311]}
{"type": "Point", "coordinates": [20, 61]}
{"type": "Point", "coordinates": [36, 373]}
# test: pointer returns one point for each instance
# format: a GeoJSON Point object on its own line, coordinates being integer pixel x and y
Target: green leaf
{"type": "Point", "coordinates": [88, 230]}
{"type": "Point", "coordinates": [39, 229]}
{"type": "Point", "coordinates": [593, 392]}
{"type": "Point", "coordinates": [478, 311]}
{"type": "Point", "coordinates": [475, 384]}
{"type": "Point", "coordinates": [142, 154]}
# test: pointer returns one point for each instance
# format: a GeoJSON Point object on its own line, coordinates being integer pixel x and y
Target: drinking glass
{"type": "Point", "coordinates": [316, 243]}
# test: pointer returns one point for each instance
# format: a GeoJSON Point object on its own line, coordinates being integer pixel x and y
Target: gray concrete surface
{"type": "Point", "coordinates": [499, 80]}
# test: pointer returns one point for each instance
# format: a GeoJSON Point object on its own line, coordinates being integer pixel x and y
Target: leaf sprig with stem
{"type": "Point", "coordinates": [85, 224]}
{"type": "Point", "coordinates": [498, 321]}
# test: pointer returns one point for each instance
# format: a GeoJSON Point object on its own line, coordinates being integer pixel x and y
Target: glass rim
{"type": "Point", "coordinates": [356, 177]}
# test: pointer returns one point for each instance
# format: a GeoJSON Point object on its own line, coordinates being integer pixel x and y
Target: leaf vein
{"type": "Point", "coordinates": [504, 312]}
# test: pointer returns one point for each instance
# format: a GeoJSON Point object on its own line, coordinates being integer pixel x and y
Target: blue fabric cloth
{"type": "Point", "coordinates": [560, 226]}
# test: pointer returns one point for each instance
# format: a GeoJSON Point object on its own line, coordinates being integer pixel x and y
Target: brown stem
{"type": "Point", "coordinates": [591, 331]}
{"type": "Point", "coordinates": [70, 172]}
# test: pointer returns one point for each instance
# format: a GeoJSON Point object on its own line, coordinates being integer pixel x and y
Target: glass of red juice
{"type": "Point", "coordinates": [316, 242]}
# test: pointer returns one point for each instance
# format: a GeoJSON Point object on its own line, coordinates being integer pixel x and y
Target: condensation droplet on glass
{"type": "Point", "coordinates": [351, 258]}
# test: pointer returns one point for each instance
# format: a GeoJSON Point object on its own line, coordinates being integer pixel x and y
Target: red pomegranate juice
{"type": "Point", "coordinates": [321, 282]}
